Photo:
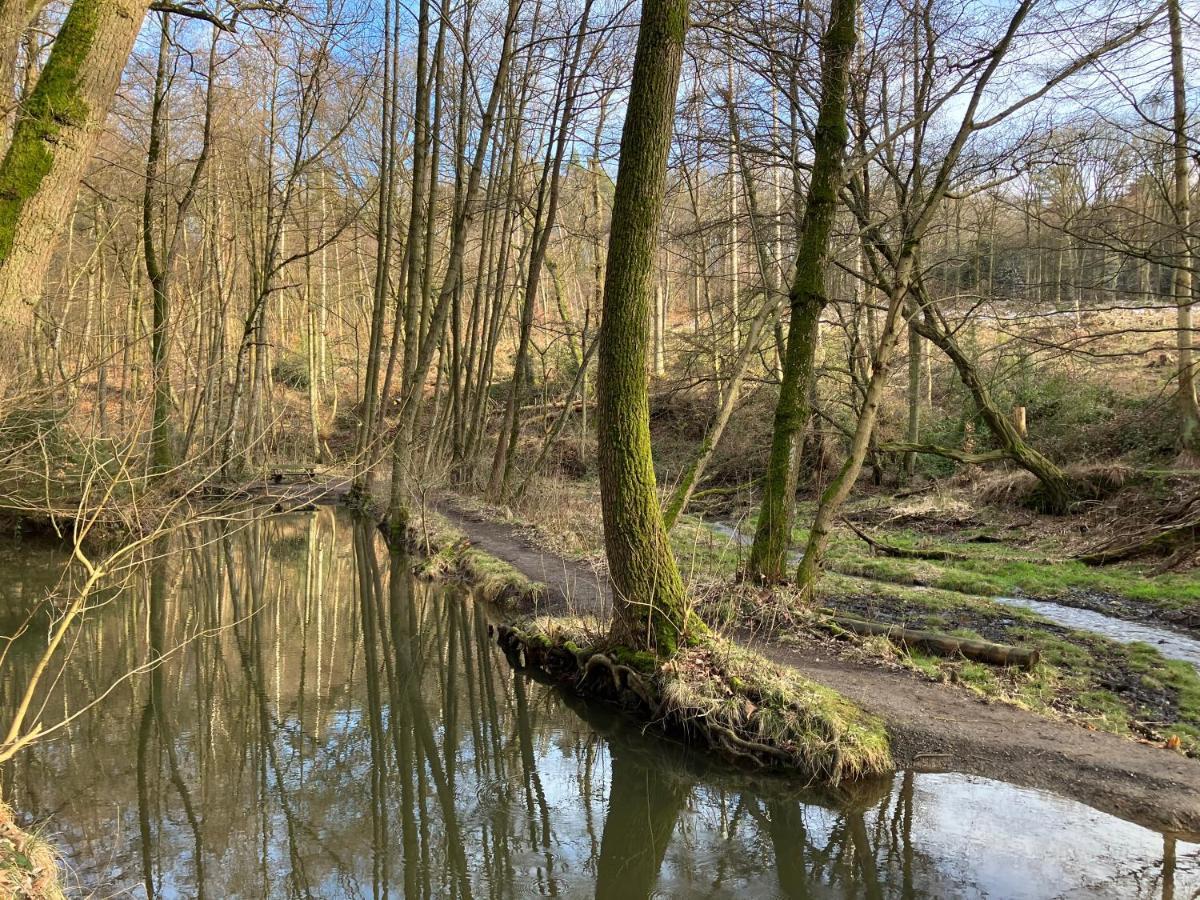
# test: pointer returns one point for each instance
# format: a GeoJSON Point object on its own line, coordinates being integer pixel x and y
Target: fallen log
{"type": "Point", "coordinates": [962, 456]}
{"type": "Point", "coordinates": [940, 644]}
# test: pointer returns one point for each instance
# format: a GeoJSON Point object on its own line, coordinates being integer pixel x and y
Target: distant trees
{"type": "Point", "coordinates": [377, 236]}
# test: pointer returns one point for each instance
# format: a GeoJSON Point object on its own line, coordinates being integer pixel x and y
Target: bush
{"type": "Point", "coordinates": [291, 370]}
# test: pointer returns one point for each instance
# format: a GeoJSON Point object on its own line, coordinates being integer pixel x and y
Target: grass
{"type": "Point", "coordinates": [996, 571]}
{"type": "Point", "coordinates": [1097, 682]}
{"type": "Point", "coordinates": [28, 864]}
{"type": "Point", "coordinates": [1127, 689]}
{"type": "Point", "coordinates": [736, 700]}
{"type": "Point", "coordinates": [448, 554]}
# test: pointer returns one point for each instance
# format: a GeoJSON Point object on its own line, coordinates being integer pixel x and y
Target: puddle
{"type": "Point", "coordinates": [1169, 643]}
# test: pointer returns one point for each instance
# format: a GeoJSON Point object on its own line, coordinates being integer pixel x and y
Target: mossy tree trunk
{"type": "Point", "coordinates": [768, 554]}
{"type": "Point", "coordinates": [52, 141]}
{"type": "Point", "coordinates": [649, 609]}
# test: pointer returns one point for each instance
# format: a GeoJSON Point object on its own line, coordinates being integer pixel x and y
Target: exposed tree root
{"type": "Point", "coordinates": [718, 695]}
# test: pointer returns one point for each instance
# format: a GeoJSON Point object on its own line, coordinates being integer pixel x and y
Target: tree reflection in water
{"type": "Point", "coordinates": [321, 725]}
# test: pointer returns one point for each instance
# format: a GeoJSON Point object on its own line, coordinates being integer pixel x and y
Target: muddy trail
{"type": "Point", "coordinates": [934, 727]}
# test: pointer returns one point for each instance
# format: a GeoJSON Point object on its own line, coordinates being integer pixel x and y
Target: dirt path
{"type": "Point", "coordinates": [933, 726]}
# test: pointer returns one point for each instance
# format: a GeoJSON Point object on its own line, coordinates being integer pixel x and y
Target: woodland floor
{"type": "Point", "coordinates": [934, 726]}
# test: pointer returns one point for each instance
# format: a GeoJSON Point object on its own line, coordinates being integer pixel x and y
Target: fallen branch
{"type": "Point", "coordinates": [941, 644]}
{"type": "Point", "coordinates": [962, 456]}
{"type": "Point", "coordinates": [1177, 529]}
{"type": "Point", "coordinates": [902, 552]}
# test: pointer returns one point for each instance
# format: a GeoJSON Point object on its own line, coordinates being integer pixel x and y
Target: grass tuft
{"type": "Point", "coordinates": [738, 702]}
{"type": "Point", "coordinates": [28, 864]}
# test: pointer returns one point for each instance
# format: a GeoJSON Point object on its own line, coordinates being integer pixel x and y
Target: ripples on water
{"type": "Point", "coordinates": [323, 726]}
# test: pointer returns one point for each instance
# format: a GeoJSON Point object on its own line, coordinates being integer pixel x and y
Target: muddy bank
{"type": "Point", "coordinates": [933, 726]}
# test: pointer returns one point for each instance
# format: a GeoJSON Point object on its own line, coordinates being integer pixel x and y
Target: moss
{"type": "Point", "coordinates": [1124, 688]}
{"type": "Point", "coordinates": [448, 554]}
{"type": "Point", "coordinates": [641, 660]}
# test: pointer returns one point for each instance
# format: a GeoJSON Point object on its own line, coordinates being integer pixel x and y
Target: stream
{"type": "Point", "coordinates": [1171, 644]}
{"type": "Point", "coordinates": [320, 724]}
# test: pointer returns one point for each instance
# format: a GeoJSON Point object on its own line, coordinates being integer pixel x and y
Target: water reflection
{"type": "Point", "coordinates": [320, 725]}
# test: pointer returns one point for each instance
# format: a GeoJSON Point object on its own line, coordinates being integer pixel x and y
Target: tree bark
{"type": "Point", "coordinates": [1189, 411]}
{"type": "Point", "coordinates": [925, 323]}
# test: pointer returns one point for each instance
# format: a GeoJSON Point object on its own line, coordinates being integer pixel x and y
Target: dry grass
{"type": "Point", "coordinates": [448, 555]}
{"type": "Point", "coordinates": [28, 864]}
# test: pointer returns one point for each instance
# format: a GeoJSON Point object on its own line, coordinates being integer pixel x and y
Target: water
{"type": "Point", "coordinates": [322, 726]}
{"type": "Point", "coordinates": [1170, 644]}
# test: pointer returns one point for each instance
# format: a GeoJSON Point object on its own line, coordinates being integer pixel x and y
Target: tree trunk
{"type": "Point", "coordinates": [925, 323]}
{"type": "Point", "coordinates": [1189, 411]}
{"type": "Point", "coordinates": [915, 351]}
{"type": "Point", "coordinates": [649, 608]}
{"type": "Point", "coordinates": [768, 554]}
{"type": "Point", "coordinates": [52, 142]}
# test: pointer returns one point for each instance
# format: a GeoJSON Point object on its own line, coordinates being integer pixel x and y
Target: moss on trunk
{"type": "Point", "coordinates": [739, 704]}
{"type": "Point", "coordinates": [650, 609]}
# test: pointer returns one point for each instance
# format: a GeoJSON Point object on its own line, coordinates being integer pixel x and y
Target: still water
{"type": "Point", "coordinates": [321, 725]}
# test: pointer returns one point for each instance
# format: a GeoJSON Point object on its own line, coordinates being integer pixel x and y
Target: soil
{"type": "Point", "coordinates": [933, 726]}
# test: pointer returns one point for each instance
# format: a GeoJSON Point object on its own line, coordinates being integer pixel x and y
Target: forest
{"type": "Point", "coordinates": [718, 401]}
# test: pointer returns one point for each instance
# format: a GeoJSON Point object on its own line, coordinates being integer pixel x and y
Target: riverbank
{"type": "Point", "coordinates": [933, 725]}
{"type": "Point", "coordinates": [28, 864]}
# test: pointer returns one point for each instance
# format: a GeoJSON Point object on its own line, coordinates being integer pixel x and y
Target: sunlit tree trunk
{"type": "Point", "coordinates": [649, 607]}
{"type": "Point", "coordinates": [1189, 411]}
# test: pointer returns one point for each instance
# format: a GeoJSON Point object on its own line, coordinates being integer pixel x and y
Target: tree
{"type": "Point", "coordinates": [160, 260]}
{"type": "Point", "coordinates": [650, 608]}
{"type": "Point", "coordinates": [52, 142]}
{"type": "Point", "coordinates": [772, 536]}
{"type": "Point", "coordinates": [1189, 410]}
